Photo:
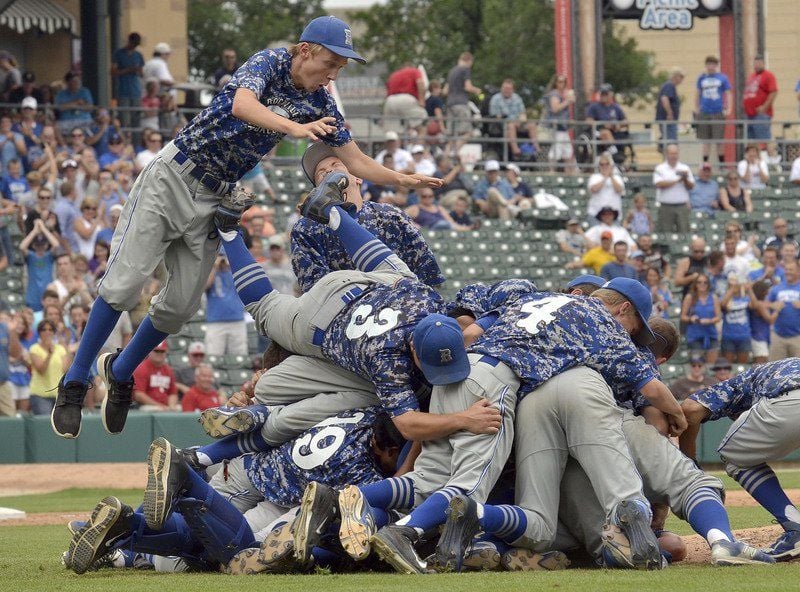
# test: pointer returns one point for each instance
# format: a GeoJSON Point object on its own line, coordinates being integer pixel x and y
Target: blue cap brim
{"type": "Point", "coordinates": [437, 375]}
{"type": "Point", "coordinates": [645, 336]}
{"type": "Point", "coordinates": [344, 52]}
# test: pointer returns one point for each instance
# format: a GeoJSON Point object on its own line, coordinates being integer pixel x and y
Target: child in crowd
{"type": "Point", "coordinates": [639, 220]}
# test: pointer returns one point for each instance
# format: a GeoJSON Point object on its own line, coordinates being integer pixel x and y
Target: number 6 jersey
{"type": "Point", "coordinates": [336, 451]}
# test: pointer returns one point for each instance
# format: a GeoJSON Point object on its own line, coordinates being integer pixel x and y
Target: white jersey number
{"type": "Point", "coordinates": [541, 312]}
{"type": "Point", "coordinates": [364, 322]}
{"type": "Point", "coordinates": [313, 450]}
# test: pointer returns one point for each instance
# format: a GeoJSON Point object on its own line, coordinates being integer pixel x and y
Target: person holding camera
{"type": "Point", "coordinates": [226, 332]}
{"type": "Point", "coordinates": [673, 180]}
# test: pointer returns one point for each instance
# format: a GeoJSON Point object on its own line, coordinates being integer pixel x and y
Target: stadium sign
{"type": "Point", "coordinates": [657, 15]}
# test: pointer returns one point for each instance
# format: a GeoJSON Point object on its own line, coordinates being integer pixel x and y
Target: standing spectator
{"type": "Point", "coordinates": [19, 365]}
{"type": "Point", "coordinates": [780, 234]}
{"type": "Point", "coordinates": [107, 196]}
{"type": "Point", "coordinates": [785, 299]}
{"type": "Point", "coordinates": [668, 108]}
{"type": "Point", "coordinates": [156, 67]}
{"type": "Point", "coordinates": [770, 272]}
{"type": "Point", "coordinates": [428, 214]}
{"type": "Point", "coordinates": [43, 210]}
{"type": "Point", "coordinates": [760, 320]}
{"type": "Point", "coordinates": [202, 395]}
{"type": "Point", "coordinates": [127, 66]}
{"type": "Point", "coordinates": [735, 263]}
{"type": "Point", "coordinates": [694, 380]}
{"type": "Point", "coordinates": [67, 212]}
{"type": "Point", "coordinates": [403, 162]}
{"type": "Point", "coordinates": [716, 273]}
{"type": "Point", "coordinates": [226, 332]}
{"type": "Point", "coordinates": [713, 105]}
{"type": "Point", "coordinates": [119, 154]}
{"type": "Point", "coordinates": [745, 248]}
{"type": "Point", "coordinates": [789, 250]}
{"type": "Point", "coordinates": [508, 105]}
{"type": "Point", "coordinates": [101, 132]}
{"type": "Point", "coordinates": [185, 376]}
{"type": "Point", "coordinates": [68, 285]}
{"type": "Point", "coordinates": [606, 187]}
{"type": "Point", "coordinates": [49, 360]}
{"type": "Point", "coordinates": [733, 197]}
{"type": "Point", "coordinates": [662, 298]}
{"type": "Point", "coordinates": [28, 126]}
{"type": "Point", "coordinates": [758, 97]}
{"type": "Point", "coordinates": [87, 226]}
{"type": "Point", "coordinates": [434, 107]}
{"type": "Point", "coordinates": [494, 195]}
{"type": "Point", "coordinates": [28, 89]}
{"type": "Point", "coordinates": [736, 305]}
{"type": "Point", "coordinates": [106, 234]}
{"type": "Point", "coordinates": [37, 248]}
{"type": "Point", "coordinates": [405, 100]}
{"type": "Point", "coordinates": [74, 104]}
{"type": "Point", "coordinates": [228, 67]}
{"type": "Point", "coordinates": [701, 312]}
{"type": "Point", "coordinates": [279, 266]}
{"type": "Point", "coordinates": [557, 103]}
{"type": "Point", "coordinates": [619, 267]}
{"type": "Point", "coordinates": [752, 169]}
{"type": "Point", "coordinates": [704, 196]}
{"type": "Point", "coordinates": [12, 144]}
{"type": "Point", "coordinates": [572, 239]}
{"type": "Point", "coordinates": [653, 257]}
{"type": "Point", "coordinates": [673, 180]}
{"type": "Point", "coordinates": [9, 348]}
{"type": "Point", "coordinates": [10, 77]}
{"type": "Point", "coordinates": [459, 86]}
{"type": "Point", "coordinates": [154, 386]}
{"type": "Point", "coordinates": [151, 105]}
{"type": "Point", "coordinates": [638, 220]}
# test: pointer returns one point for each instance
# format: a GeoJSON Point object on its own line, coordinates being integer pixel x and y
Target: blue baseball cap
{"type": "Point", "coordinates": [333, 34]}
{"type": "Point", "coordinates": [588, 278]}
{"type": "Point", "coordinates": [642, 301]}
{"type": "Point", "coordinates": [439, 344]}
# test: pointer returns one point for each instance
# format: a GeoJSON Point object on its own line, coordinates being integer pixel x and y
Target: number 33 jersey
{"type": "Point", "coordinates": [371, 338]}
{"type": "Point", "coordinates": [336, 451]}
{"type": "Point", "coordinates": [541, 335]}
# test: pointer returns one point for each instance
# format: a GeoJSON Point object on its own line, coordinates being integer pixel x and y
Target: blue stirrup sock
{"type": "Point", "coordinates": [431, 512]}
{"type": "Point", "coordinates": [250, 279]}
{"type": "Point", "coordinates": [230, 447]}
{"type": "Point", "coordinates": [762, 483]}
{"type": "Point", "coordinates": [101, 322]}
{"type": "Point", "coordinates": [144, 340]}
{"type": "Point", "coordinates": [395, 493]}
{"type": "Point", "coordinates": [366, 251]}
{"type": "Point", "coordinates": [506, 522]}
{"type": "Point", "coordinates": [707, 516]}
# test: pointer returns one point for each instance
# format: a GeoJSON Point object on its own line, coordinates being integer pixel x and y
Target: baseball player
{"type": "Point", "coordinates": [316, 250]}
{"type": "Point", "coordinates": [764, 401]}
{"type": "Point", "coordinates": [190, 182]}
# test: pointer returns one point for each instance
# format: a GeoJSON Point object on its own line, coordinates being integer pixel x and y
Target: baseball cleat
{"type": "Point", "coordinates": [633, 517]}
{"type": "Point", "coordinates": [527, 560]}
{"type": "Point", "coordinates": [325, 196]}
{"type": "Point", "coordinates": [219, 422]}
{"type": "Point", "coordinates": [110, 523]}
{"type": "Point", "coordinates": [357, 524]}
{"type": "Point", "coordinates": [394, 544]}
{"type": "Point", "coordinates": [229, 212]}
{"type": "Point", "coordinates": [65, 418]}
{"type": "Point", "coordinates": [460, 528]}
{"type": "Point", "coordinates": [786, 547]}
{"type": "Point", "coordinates": [275, 555]}
{"type": "Point", "coordinates": [190, 458]}
{"type": "Point", "coordinates": [318, 511]}
{"type": "Point", "coordinates": [737, 553]}
{"type": "Point", "coordinates": [167, 473]}
{"type": "Point", "coordinates": [119, 395]}
{"type": "Point", "coordinates": [481, 556]}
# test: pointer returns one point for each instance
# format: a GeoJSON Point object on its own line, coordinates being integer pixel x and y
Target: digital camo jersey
{"type": "Point", "coordinates": [480, 299]}
{"type": "Point", "coordinates": [626, 395]}
{"type": "Point", "coordinates": [228, 147]}
{"type": "Point", "coordinates": [316, 250]}
{"type": "Point", "coordinates": [336, 451]}
{"type": "Point", "coordinates": [736, 395]}
{"type": "Point", "coordinates": [543, 334]}
{"type": "Point", "coordinates": [371, 338]}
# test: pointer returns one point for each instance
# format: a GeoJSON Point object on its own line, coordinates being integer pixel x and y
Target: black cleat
{"type": "Point", "coordinates": [119, 395]}
{"type": "Point", "coordinates": [461, 527]}
{"type": "Point", "coordinates": [319, 508]}
{"type": "Point", "coordinates": [324, 196]}
{"type": "Point", "coordinates": [230, 210]}
{"type": "Point", "coordinates": [167, 474]}
{"type": "Point", "coordinates": [110, 523]}
{"type": "Point", "coordinates": [395, 545]}
{"type": "Point", "coordinates": [275, 555]}
{"type": "Point", "coordinates": [66, 415]}
{"type": "Point", "coordinates": [633, 518]}
{"type": "Point", "coordinates": [190, 458]}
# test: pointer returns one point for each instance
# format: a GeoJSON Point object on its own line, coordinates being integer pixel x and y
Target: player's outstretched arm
{"type": "Point", "coordinates": [247, 107]}
{"type": "Point", "coordinates": [367, 168]}
{"type": "Point", "coordinates": [661, 398]}
{"type": "Point", "coordinates": [695, 414]}
{"type": "Point", "coordinates": [480, 418]}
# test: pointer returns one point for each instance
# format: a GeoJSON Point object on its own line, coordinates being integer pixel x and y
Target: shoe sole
{"type": "Point", "coordinates": [275, 555]}
{"type": "Point", "coordinates": [354, 532]}
{"type": "Point", "coordinates": [636, 526]}
{"type": "Point", "coordinates": [302, 524]}
{"type": "Point", "coordinates": [525, 560]}
{"type": "Point", "coordinates": [156, 503]}
{"type": "Point", "coordinates": [101, 372]}
{"type": "Point", "coordinates": [787, 555]}
{"type": "Point", "coordinates": [83, 549]}
{"type": "Point", "coordinates": [481, 560]}
{"type": "Point", "coordinates": [219, 424]}
{"type": "Point", "coordinates": [456, 536]}
{"type": "Point", "coordinates": [389, 554]}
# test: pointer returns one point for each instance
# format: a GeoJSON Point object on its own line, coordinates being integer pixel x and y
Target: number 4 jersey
{"type": "Point", "coordinates": [336, 451]}
{"type": "Point", "coordinates": [543, 334]}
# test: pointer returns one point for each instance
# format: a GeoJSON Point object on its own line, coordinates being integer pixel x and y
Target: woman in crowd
{"type": "Point", "coordinates": [49, 361]}
{"type": "Point", "coordinates": [700, 313]}
{"type": "Point", "coordinates": [733, 197]}
{"type": "Point", "coordinates": [753, 171]}
{"type": "Point", "coordinates": [86, 227]}
{"type": "Point", "coordinates": [662, 299]}
{"type": "Point", "coordinates": [557, 102]}
{"type": "Point", "coordinates": [735, 306]}
{"type": "Point", "coordinates": [606, 188]}
{"type": "Point", "coordinates": [19, 370]}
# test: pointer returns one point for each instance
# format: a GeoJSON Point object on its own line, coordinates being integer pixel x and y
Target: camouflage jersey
{"type": "Point", "coordinates": [630, 398]}
{"type": "Point", "coordinates": [736, 395]}
{"type": "Point", "coordinates": [543, 334]}
{"type": "Point", "coordinates": [228, 147]}
{"type": "Point", "coordinates": [479, 299]}
{"type": "Point", "coordinates": [336, 451]}
{"type": "Point", "coordinates": [316, 250]}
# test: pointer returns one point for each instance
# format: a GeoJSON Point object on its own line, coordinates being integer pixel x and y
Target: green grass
{"type": "Point", "coordinates": [741, 517]}
{"type": "Point", "coordinates": [789, 478]}
{"type": "Point", "coordinates": [69, 500]}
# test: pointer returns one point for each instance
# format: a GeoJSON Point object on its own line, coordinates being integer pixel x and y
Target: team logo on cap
{"type": "Point", "coordinates": [348, 38]}
{"type": "Point", "coordinates": [445, 356]}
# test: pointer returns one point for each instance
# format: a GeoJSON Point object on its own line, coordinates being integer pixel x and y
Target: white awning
{"type": "Point", "coordinates": [44, 15]}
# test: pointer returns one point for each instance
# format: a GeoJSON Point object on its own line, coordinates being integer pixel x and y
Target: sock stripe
{"type": "Point", "coordinates": [248, 277]}
{"type": "Point", "coordinates": [375, 260]}
{"type": "Point", "coordinates": [246, 269]}
{"type": "Point", "coordinates": [365, 249]}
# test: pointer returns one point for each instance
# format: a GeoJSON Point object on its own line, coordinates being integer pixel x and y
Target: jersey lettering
{"type": "Point", "coordinates": [364, 322]}
{"type": "Point", "coordinates": [314, 449]}
{"type": "Point", "coordinates": [541, 312]}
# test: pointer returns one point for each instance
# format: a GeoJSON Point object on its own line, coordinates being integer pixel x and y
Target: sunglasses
{"type": "Point", "coordinates": [90, 209]}
{"type": "Point", "coordinates": [79, 135]}
{"type": "Point", "coordinates": [195, 355]}
{"type": "Point", "coordinates": [46, 330]}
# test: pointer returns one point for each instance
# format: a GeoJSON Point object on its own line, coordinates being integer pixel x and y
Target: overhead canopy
{"type": "Point", "coordinates": [42, 15]}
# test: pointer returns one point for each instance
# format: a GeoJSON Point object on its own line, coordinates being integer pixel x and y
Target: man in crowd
{"type": "Point", "coordinates": [405, 99]}
{"type": "Point", "coordinates": [126, 68]}
{"type": "Point", "coordinates": [154, 385]}
{"type": "Point", "coordinates": [508, 105]}
{"type": "Point", "coordinates": [619, 267]}
{"type": "Point", "coordinates": [695, 379]}
{"type": "Point", "coordinates": [668, 107]}
{"type": "Point", "coordinates": [673, 180]}
{"type": "Point", "coordinates": [757, 100]}
{"type": "Point", "coordinates": [704, 196]}
{"type": "Point", "coordinates": [785, 304]}
{"type": "Point", "coordinates": [713, 104]}
{"type": "Point", "coordinates": [228, 67]}
{"type": "Point", "coordinates": [459, 87]}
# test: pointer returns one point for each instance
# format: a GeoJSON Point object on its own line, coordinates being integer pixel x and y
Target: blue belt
{"type": "Point", "coordinates": [489, 360]}
{"type": "Point", "coordinates": [319, 336]}
{"type": "Point", "coordinates": [206, 179]}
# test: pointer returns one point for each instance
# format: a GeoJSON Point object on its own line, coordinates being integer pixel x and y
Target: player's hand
{"type": "Point", "coordinates": [677, 423]}
{"type": "Point", "coordinates": [417, 181]}
{"type": "Point", "coordinates": [238, 399]}
{"type": "Point", "coordinates": [482, 418]}
{"type": "Point", "coordinates": [315, 129]}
